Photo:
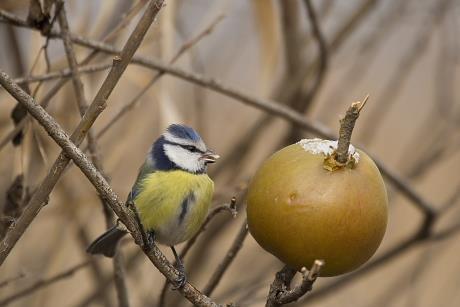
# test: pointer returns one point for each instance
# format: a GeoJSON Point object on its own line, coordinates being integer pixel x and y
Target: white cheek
{"type": "Point", "coordinates": [183, 158]}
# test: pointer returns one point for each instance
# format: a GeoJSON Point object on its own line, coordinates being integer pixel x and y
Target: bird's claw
{"type": "Point", "coordinates": [181, 279]}
{"type": "Point", "coordinates": [150, 239]}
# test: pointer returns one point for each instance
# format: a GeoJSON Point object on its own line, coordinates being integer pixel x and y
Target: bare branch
{"type": "Point", "coordinates": [42, 283]}
{"type": "Point", "coordinates": [280, 292]}
{"type": "Point", "coordinates": [228, 259]}
{"type": "Point", "coordinates": [231, 208]}
{"type": "Point", "coordinates": [346, 129]}
{"type": "Point", "coordinates": [120, 283]}
{"type": "Point", "coordinates": [7, 281]}
{"type": "Point", "coordinates": [65, 73]}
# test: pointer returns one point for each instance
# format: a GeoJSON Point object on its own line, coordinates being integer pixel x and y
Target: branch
{"type": "Point", "coordinates": [228, 259]}
{"type": "Point", "coordinates": [120, 283]}
{"type": "Point", "coordinates": [280, 292]}
{"type": "Point", "coordinates": [322, 60]}
{"type": "Point", "coordinates": [106, 281]}
{"type": "Point", "coordinates": [231, 208]}
{"type": "Point", "coordinates": [346, 129]}
{"type": "Point", "coordinates": [7, 281]}
{"type": "Point", "coordinates": [43, 283]}
{"type": "Point", "coordinates": [64, 73]}
{"type": "Point", "coordinates": [302, 100]}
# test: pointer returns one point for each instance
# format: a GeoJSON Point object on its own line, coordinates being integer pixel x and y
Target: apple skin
{"type": "Point", "coordinates": [299, 211]}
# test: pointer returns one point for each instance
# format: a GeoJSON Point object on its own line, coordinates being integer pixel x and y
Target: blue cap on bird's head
{"type": "Point", "coordinates": [183, 132]}
{"type": "Point", "coordinates": [181, 147]}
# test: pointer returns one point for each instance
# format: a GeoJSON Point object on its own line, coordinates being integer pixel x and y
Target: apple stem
{"type": "Point", "coordinates": [346, 129]}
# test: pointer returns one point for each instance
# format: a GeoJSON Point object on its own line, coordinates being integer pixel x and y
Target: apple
{"type": "Point", "coordinates": [300, 209]}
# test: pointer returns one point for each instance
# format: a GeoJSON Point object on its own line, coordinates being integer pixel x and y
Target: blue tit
{"type": "Point", "coordinates": [172, 192]}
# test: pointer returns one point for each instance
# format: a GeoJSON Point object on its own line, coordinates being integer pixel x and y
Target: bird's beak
{"type": "Point", "coordinates": [210, 157]}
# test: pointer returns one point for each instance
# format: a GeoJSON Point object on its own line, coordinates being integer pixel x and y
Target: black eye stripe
{"type": "Point", "coordinates": [191, 148]}
{"type": "Point", "coordinates": [187, 147]}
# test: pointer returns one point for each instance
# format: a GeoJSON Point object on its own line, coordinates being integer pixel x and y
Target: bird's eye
{"type": "Point", "coordinates": [191, 148]}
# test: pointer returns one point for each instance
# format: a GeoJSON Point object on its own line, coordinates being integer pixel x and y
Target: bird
{"type": "Point", "coordinates": [172, 193]}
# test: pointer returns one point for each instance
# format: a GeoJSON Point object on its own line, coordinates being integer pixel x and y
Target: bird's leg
{"type": "Point", "coordinates": [182, 279]}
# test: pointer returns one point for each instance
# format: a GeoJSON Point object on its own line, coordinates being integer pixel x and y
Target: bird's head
{"type": "Point", "coordinates": [181, 147]}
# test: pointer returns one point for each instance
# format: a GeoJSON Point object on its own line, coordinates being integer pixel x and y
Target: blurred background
{"type": "Point", "coordinates": [405, 54]}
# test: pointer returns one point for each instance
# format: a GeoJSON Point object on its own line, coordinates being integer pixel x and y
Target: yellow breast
{"type": "Point", "coordinates": [174, 204]}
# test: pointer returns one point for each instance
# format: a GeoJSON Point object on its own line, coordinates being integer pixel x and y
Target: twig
{"type": "Point", "coordinates": [120, 63]}
{"type": "Point", "coordinates": [42, 283]}
{"type": "Point", "coordinates": [228, 259]}
{"type": "Point", "coordinates": [65, 73]}
{"type": "Point", "coordinates": [323, 58]}
{"type": "Point", "coordinates": [120, 283]}
{"type": "Point", "coordinates": [107, 281]}
{"type": "Point", "coordinates": [18, 111]}
{"type": "Point", "coordinates": [7, 281]}
{"type": "Point", "coordinates": [292, 35]}
{"type": "Point", "coordinates": [302, 101]}
{"type": "Point", "coordinates": [346, 129]}
{"type": "Point", "coordinates": [280, 292]}
{"type": "Point", "coordinates": [231, 208]}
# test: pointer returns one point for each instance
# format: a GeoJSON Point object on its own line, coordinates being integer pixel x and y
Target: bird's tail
{"type": "Point", "coordinates": [106, 244]}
